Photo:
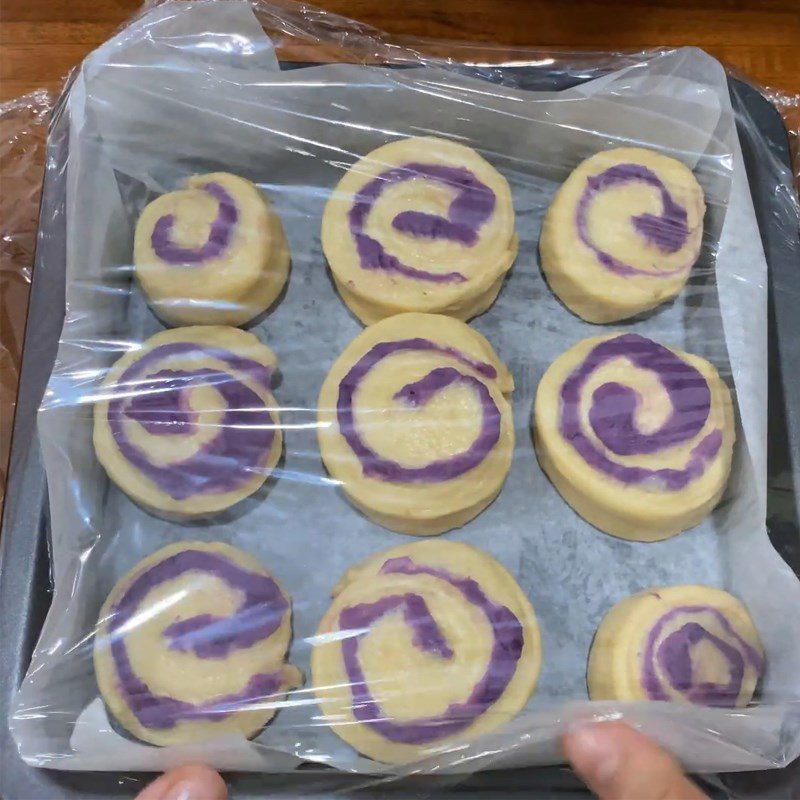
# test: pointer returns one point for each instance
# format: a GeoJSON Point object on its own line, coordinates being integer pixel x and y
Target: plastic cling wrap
{"type": "Point", "coordinates": [487, 391]}
{"type": "Point", "coordinates": [23, 128]}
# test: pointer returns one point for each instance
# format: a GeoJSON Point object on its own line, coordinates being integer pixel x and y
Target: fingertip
{"type": "Point", "coordinates": [206, 782]}
{"type": "Point", "coordinates": [619, 763]}
{"type": "Point", "coordinates": [594, 751]}
{"type": "Point", "coordinates": [191, 782]}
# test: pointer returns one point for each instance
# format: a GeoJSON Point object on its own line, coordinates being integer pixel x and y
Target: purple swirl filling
{"type": "Point", "coordinates": [612, 413]}
{"type": "Point", "coordinates": [673, 658]}
{"type": "Point", "coordinates": [507, 646]}
{"type": "Point", "coordinates": [158, 401]}
{"type": "Point", "coordinates": [260, 613]}
{"type": "Point", "coordinates": [219, 234]}
{"type": "Point", "coordinates": [469, 210]}
{"type": "Point", "coordinates": [667, 231]}
{"type": "Point", "coordinates": [417, 394]}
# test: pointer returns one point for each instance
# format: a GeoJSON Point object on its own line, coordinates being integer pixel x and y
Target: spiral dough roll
{"type": "Point", "coordinates": [424, 646]}
{"type": "Point", "coordinates": [187, 425]}
{"type": "Point", "coordinates": [191, 644]}
{"type": "Point", "coordinates": [622, 233]}
{"type": "Point", "coordinates": [415, 425]}
{"type": "Point", "coordinates": [421, 224]}
{"type": "Point", "coordinates": [637, 437]}
{"type": "Point", "coordinates": [684, 644]}
{"type": "Point", "coordinates": [213, 253]}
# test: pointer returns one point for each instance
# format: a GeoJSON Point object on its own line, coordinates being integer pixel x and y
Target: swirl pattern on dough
{"type": "Point", "coordinates": [622, 233]}
{"type": "Point", "coordinates": [471, 207]}
{"type": "Point", "coordinates": [621, 420]}
{"type": "Point", "coordinates": [220, 232]}
{"type": "Point", "coordinates": [421, 437]}
{"type": "Point", "coordinates": [667, 231]}
{"type": "Point", "coordinates": [188, 425]}
{"type": "Point", "coordinates": [191, 644]}
{"type": "Point", "coordinates": [420, 224]}
{"type": "Point", "coordinates": [415, 395]}
{"type": "Point", "coordinates": [445, 609]}
{"type": "Point", "coordinates": [668, 669]}
{"type": "Point", "coordinates": [211, 253]}
{"type": "Point", "coordinates": [612, 413]}
{"type": "Point", "coordinates": [690, 644]}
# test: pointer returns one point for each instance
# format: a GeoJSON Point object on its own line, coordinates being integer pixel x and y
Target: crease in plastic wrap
{"type": "Point", "coordinates": [198, 623]}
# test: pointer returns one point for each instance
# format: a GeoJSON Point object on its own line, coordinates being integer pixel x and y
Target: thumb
{"type": "Point", "coordinates": [187, 783]}
{"type": "Point", "coordinates": [618, 763]}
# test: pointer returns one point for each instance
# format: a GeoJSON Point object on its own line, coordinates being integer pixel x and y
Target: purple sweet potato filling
{"type": "Point", "coordinates": [613, 408]}
{"type": "Point", "coordinates": [508, 640]}
{"type": "Point", "coordinates": [673, 656]}
{"type": "Point", "coordinates": [470, 209]}
{"type": "Point", "coordinates": [157, 401]}
{"type": "Point", "coordinates": [260, 612]}
{"type": "Point", "coordinates": [416, 394]}
{"type": "Point", "coordinates": [668, 231]}
{"type": "Point", "coordinates": [219, 235]}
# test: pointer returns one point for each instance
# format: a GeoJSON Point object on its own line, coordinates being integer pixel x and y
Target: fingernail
{"type": "Point", "coordinates": [595, 756]}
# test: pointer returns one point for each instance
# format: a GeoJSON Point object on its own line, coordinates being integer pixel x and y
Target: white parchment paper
{"type": "Point", "coordinates": [196, 87]}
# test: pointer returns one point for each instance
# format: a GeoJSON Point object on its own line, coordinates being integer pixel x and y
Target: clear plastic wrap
{"type": "Point", "coordinates": [23, 129]}
{"type": "Point", "coordinates": [215, 440]}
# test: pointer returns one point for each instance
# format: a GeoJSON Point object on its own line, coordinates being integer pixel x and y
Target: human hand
{"type": "Point", "coordinates": [618, 763]}
{"type": "Point", "coordinates": [615, 761]}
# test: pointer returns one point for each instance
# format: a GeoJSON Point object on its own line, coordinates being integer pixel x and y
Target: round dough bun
{"type": "Point", "coordinates": [191, 645]}
{"type": "Point", "coordinates": [686, 644]}
{"type": "Point", "coordinates": [420, 224]}
{"type": "Point", "coordinates": [415, 425]}
{"type": "Point", "coordinates": [425, 646]}
{"type": "Point", "coordinates": [622, 233]}
{"type": "Point", "coordinates": [637, 437]}
{"type": "Point", "coordinates": [213, 253]}
{"type": "Point", "coordinates": [187, 425]}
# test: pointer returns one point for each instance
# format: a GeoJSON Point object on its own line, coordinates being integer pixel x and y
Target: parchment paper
{"type": "Point", "coordinates": [196, 87]}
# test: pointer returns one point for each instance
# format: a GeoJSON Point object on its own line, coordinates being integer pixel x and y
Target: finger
{"type": "Point", "coordinates": [617, 763]}
{"type": "Point", "coordinates": [195, 782]}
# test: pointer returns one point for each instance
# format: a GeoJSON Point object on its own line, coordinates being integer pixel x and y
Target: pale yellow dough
{"type": "Point", "coordinates": [230, 289]}
{"type": "Point", "coordinates": [205, 400]}
{"type": "Point", "coordinates": [373, 294]}
{"type": "Point", "coordinates": [640, 512]}
{"type": "Point", "coordinates": [408, 683]}
{"type": "Point", "coordinates": [615, 670]}
{"type": "Point", "coordinates": [446, 425]}
{"type": "Point", "coordinates": [183, 675]}
{"type": "Point", "coordinates": [587, 287]}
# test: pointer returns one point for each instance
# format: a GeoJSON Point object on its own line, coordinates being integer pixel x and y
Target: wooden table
{"type": "Point", "coordinates": [42, 39]}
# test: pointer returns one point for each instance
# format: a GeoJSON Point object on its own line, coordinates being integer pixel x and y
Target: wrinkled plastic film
{"type": "Point", "coordinates": [245, 654]}
{"type": "Point", "coordinates": [789, 106]}
{"type": "Point", "coordinates": [23, 129]}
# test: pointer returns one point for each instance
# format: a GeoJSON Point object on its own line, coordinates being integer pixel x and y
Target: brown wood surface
{"type": "Point", "coordinates": [41, 39]}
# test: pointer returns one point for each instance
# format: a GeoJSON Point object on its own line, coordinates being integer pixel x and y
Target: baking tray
{"type": "Point", "coordinates": [24, 549]}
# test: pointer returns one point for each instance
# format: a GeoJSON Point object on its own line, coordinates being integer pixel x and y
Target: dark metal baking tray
{"type": "Point", "coordinates": [24, 548]}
